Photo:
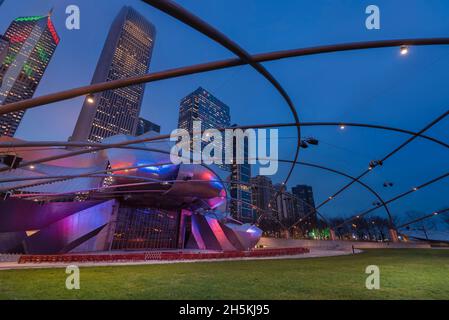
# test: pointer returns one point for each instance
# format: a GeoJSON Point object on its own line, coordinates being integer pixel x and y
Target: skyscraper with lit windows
{"type": "Point", "coordinates": [306, 205]}
{"type": "Point", "coordinates": [126, 53]}
{"type": "Point", "coordinates": [4, 45]}
{"type": "Point", "coordinates": [241, 205]}
{"type": "Point", "coordinates": [201, 105]}
{"type": "Point", "coordinates": [31, 43]}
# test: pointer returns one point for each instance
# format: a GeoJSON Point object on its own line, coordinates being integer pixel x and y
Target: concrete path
{"type": "Point", "coordinates": [314, 253]}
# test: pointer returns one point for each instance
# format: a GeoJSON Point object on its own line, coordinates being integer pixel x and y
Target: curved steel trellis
{"type": "Point", "coordinates": [66, 177]}
{"type": "Point", "coordinates": [397, 149]}
{"type": "Point", "coordinates": [426, 184]}
{"type": "Point", "coordinates": [244, 59]}
{"type": "Point", "coordinates": [383, 203]}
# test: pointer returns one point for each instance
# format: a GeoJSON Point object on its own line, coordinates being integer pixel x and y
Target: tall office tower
{"type": "Point", "coordinates": [285, 204]}
{"type": "Point", "coordinates": [241, 203]}
{"type": "Point", "coordinates": [4, 45]}
{"type": "Point", "coordinates": [306, 205]}
{"type": "Point", "coordinates": [262, 192]}
{"type": "Point", "coordinates": [144, 126]}
{"type": "Point", "coordinates": [32, 42]}
{"type": "Point", "coordinates": [202, 106]}
{"type": "Point", "coordinates": [126, 53]}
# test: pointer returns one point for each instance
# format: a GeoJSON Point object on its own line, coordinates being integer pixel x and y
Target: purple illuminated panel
{"type": "Point", "coordinates": [68, 233]}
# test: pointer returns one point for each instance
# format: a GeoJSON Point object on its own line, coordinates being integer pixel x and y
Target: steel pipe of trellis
{"type": "Point", "coordinates": [213, 66]}
{"type": "Point", "coordinates": [431, 215]}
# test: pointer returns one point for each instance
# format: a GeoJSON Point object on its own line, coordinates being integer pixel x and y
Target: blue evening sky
{"type": "Point", "coordinates": [374, 86]}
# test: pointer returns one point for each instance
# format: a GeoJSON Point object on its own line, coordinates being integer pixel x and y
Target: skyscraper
{"type": "Point", "coordinates": [32, 42]}
{"type": "Point", "coordinates": [306, 205]}
{"type": "Point", "coordinates": [126, 53]}
{"type": "Point", "coordinates": [202, 106]}
{"type": "Point", "coordinates": [241, 203]}
{"type": "Point", "coordinates": [262, 192]}
{"type": "Point", "coordinates": [4, 45]}
{"type": "Point", "coordinates": [285, 204]}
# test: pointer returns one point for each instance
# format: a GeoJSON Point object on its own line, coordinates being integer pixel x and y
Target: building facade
{"type": "Point", "coordinates": [32, 43]}
{"type": "Point", "coordinates": [200, 105]}
{"type": "Point", "coordinates": [241, 201]}
{"type": "Point", "coordinates": [144, 126]}
{"type": "Point", "coordinates": [4, 45]}
{"type": "Point", "coordinates": [306, 205]}
{"type": "Point", "coordinates": [262, 192]}
{"type": "Point", "coordinates": [285, 205]}
{"type": "Point", "coordinates": [127, 53]}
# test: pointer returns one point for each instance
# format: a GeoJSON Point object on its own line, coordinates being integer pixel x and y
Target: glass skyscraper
{"type": "Point", "coordinates": [4, 45]}
{"type": "Point", "coordinates": [202, 106]}
{"type": "Point", "coordinates": [262, 192]}
{"type": "Point", "coordinates": [126, 53]}
{"type": "Point", "coordinates": [241, 206]}
{"type": "Point", "coordinates": [31, 44]}
{"type": "Point", "coordinates": [306, 205]}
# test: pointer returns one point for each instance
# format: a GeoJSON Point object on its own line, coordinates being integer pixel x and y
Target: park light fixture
{"type": "Point", "coordinates": [388, 184]}
{"type": "Point", "coordinates": [435, 213]}
{"type": "Point", "coordinates": [312, 141]}
{"type": "Point", "coordinates": [404, 50]}
{"type": "Point", "coordinates": [309, 141]}
{"type": "Point", "coordinates": [375, 163]}
{"type": "Point", "coordinates": [342, 127]}
{"type": "Point", "coordinates": [304, 144]}
{"type": "Point", "coordinates": [32, 167]}
{"type": "Point", "coordinates": [415, 189]}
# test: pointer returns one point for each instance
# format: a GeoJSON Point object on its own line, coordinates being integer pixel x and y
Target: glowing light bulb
{"type": "Point", "coordinates": [404, 50]}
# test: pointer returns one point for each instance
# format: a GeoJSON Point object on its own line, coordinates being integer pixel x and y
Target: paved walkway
{"type": "Point", "coordinates": [314, 253]}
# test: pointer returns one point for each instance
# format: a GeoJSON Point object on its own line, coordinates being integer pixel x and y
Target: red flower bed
{"type": "Point", "coordinates": [157, 255]}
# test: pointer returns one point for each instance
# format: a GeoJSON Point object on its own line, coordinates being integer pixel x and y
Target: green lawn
{"type": "Point", "coordinates": [405, 274]}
